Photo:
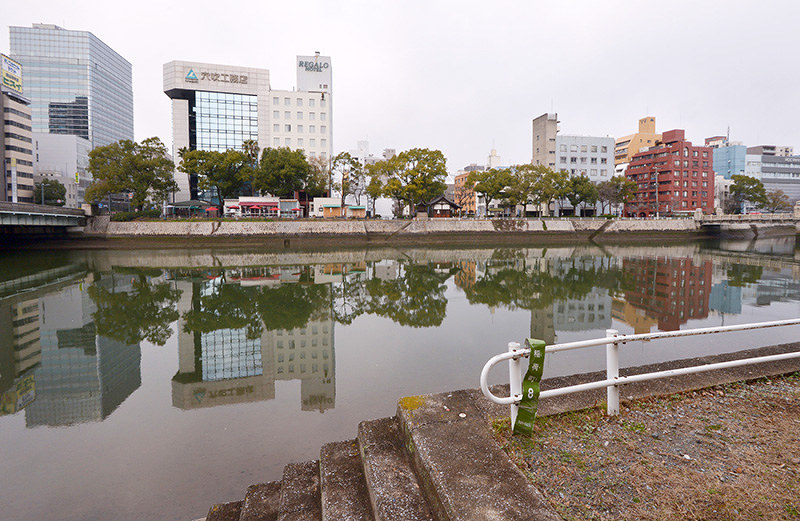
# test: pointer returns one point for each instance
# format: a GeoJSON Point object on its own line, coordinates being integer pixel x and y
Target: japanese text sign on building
{"type": "Point", "coordinates": [11, 73]}
{"type": "Point", "coordinates": [219, 77]}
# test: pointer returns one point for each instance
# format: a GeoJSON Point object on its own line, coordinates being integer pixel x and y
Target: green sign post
{"type": "Point", "coordinates": [530, 388]}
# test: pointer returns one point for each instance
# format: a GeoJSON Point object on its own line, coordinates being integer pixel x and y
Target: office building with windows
{"type": "Point", "coordinates": [776, 172]}
{"type": "Point", "coordinates": [78, 86]}
{"type": "Point", "coordinates": [219, 107]}
{"type": "Point", "coordinates": [729, 156]}
{"type": "Point", "coordinates": [672, 177]}
{"type": "Point", "coordinates": [590, 156]}
{"type": "Point", "coordinates": [16, 153]}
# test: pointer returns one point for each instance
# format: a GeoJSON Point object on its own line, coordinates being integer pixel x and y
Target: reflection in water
{"type": "Point", "coordinates": [70, 351]}
{"type": "Point", "coordinates": [83, 376]}
{"type": "Point", "coordinates": [231, 348]}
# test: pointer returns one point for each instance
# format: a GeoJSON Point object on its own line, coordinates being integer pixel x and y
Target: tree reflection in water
{"type": "Point", "coordinates": [133, 309]}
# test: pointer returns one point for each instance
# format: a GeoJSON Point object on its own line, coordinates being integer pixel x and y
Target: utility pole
{"type": "Point", "coordinates": [655, 171]}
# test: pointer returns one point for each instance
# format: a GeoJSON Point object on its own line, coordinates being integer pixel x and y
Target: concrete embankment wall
{"type": "Point", "coordinates": [431, 230]}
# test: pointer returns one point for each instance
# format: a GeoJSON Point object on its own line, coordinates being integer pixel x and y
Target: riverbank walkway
{"type": "Point", "coordinates": [437, 459]}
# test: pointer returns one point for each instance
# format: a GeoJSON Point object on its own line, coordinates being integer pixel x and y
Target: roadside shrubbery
{"type": "Point", "coordinates": [131, 216]}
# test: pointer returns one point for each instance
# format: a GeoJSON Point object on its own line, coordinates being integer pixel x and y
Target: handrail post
{"type": "Point", "coordinates": [612, 371]}
{"type": "Point", "coordinates": [514, 380]}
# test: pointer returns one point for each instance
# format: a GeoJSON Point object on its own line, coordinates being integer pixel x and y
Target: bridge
{"type": "Point", "coordinates": [27, 218]}
{"type": "Point", "coordinates": [751, 218]}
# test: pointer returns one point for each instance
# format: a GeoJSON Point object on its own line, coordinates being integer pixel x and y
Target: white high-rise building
{"type": "Point", "coordinates": [219, 107]}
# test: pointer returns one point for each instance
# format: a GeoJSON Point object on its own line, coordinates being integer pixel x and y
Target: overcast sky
{"type": "Point", "coordinates": [466, 77]}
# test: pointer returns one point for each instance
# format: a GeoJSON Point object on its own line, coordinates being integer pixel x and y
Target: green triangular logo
{"type": "Point", "coordinates": [191, 75]}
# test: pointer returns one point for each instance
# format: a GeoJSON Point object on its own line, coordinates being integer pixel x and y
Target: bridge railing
{"type": "Point", "coordinates": [39, 209]}
{"type": "Point", "coordinates": [612, 341]}
{"type": "Point", "coordinates": [769, 217]}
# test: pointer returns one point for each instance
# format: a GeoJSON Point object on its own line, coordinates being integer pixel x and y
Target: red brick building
{"type": "Point", "coordinates": [683, 172]}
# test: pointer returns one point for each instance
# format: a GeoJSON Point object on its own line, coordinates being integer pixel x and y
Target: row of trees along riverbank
{"type": "Point", "coordinates": [144, 172]}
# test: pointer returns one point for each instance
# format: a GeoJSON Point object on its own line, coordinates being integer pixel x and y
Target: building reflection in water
{"type": "Point", "coordinates": [83, 376]}
{"type": "Point", "coordinates": [229, 365]}
{"type": "Point", "coordinates": [670, 290]}
{"type": "Point", "coordinates": [52, 362]}
{"type": "Point", "coordinates": [73, 355]}
{"type": "Point", "coordinates": [20, 353]}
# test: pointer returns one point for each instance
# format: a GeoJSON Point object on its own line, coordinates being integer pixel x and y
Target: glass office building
{"type": "Point", "coordinates": [222, 120]}
{"type": "Point", "coordinates": [77, 84]}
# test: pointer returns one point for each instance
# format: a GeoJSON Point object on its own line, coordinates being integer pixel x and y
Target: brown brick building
{"type": "Point", "coordinates": [683, 173]}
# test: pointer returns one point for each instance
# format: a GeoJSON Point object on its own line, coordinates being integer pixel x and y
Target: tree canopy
{"type": "Point", "coordinates": [351, 175]}
{"type": "Point", "coordinates": [747, 189]}
{"type": "Point", "coordinates": [490, 184]}
{"type": "Point", "coordinates": [415, 176]}
{"type": "Point", "coordinates": [580, 190]}
{"type": "Point", "coordinates": [777, 201]}
{"type": "Point", "coordinates": [55, 193]}
{"type": "Point", "coordinates": [225, 172]}
{"type": "Point", "coordinates": [282, 171]}
{"type": "Point", "coordinates": [141, 169]}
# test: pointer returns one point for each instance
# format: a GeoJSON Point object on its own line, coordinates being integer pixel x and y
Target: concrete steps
{"type": "Point", "coordinates": [435, 461]}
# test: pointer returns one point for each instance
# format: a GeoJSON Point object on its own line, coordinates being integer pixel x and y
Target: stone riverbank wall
{"type": "Point", "coordinates": [433, 230]}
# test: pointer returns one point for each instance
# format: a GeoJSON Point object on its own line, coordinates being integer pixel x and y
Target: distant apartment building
{"type": "Point", "coordinates": [586, 155]}
{"type": "Point", "coordinates": [590, 156]}
{"type": "Point", "coordinates": [464, 195]}
{"type": "Point", "coordinates": [776, 172]}
{"type": "Point", "coordinates": [672, 177]}
{"type": "Point", "coordinates": [729, 156]}
{"type": "Point", "coordinates": [628, 146]}
{"type": "Point", "coordinates": [17, 152]}
{"type": "Point", "coordinates": [219, 107]}
{"type": "Point", "coordinates": [78, 86]}
{"type": "Point", "coordinates": [545, 129]}
{"type": "Point", "coordinates": [771, 150]}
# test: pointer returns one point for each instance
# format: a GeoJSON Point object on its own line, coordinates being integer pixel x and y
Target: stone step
{"type": "Point", "coordinates": [343, 487]}
{"type": "Point", "coordinates": [394, 491]}
{"type": "Point", "coordinates": [262, 502]}
{"type": "Point", "coordinates": [300, 498]}
{"type": "Point", "coordinates": [225, 511]}
{"type": "Point", "coordinates": [466, 474]}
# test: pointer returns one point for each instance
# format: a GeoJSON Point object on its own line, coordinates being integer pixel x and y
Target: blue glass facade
{"type": "Point", "coordinates": [220, 121]}
{"type": "Point", "coordinates": [729, 160]}
{"type": "Point", "coordinates": [77, 84]}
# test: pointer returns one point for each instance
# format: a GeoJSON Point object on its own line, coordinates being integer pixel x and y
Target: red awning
{"type": "Point", "coordinates": [260, 204]}
{"type": "Point", "coordinates": [233, 207]}
{"type": "Point", "coordinates": [211, 209]}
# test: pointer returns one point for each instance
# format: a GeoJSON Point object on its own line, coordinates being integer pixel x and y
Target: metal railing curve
{"type": "Point", "coordinates": [612, 341]}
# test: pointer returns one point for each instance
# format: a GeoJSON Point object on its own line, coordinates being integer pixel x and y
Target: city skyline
{"type": "Point", "coordinates": [473, 78]}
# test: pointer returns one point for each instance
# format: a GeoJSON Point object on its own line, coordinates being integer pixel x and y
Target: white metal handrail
{"type": "Point", "coordinates": [612, 340]}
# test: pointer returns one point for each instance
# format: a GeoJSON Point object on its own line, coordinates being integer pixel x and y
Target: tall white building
{"type": "Point", "coordinates": [219, 107]}
{"type": "Point", "coordinates": [586, 155]}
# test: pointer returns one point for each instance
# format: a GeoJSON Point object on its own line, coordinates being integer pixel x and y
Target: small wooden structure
{"type": "Point", "coordinates": [439, 206]}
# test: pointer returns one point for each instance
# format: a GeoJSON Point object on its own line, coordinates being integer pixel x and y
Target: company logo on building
{"type": "Point", "coordinates": [313, 66]}
{"type": "Point", "coordinates": [218, 77]}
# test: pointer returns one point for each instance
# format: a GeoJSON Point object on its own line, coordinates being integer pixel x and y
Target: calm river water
{"type": "Point", "coordinates": [149, 384]}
